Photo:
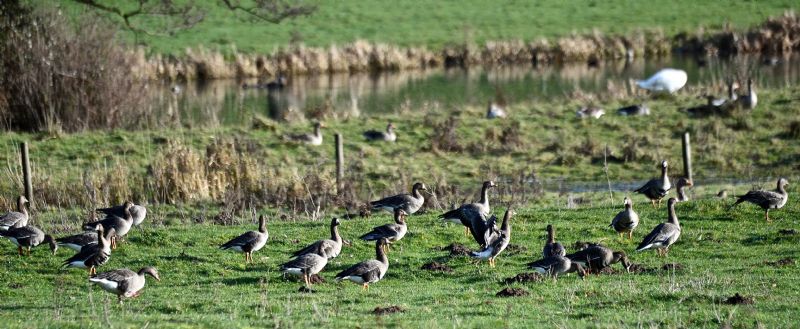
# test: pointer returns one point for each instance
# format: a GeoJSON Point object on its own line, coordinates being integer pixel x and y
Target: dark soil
{"type": "Point", "coordinates": [306, 290]}
{"type": "Point", "coordinates": [739, 300]}
{"type": "Point", "coordinates": [580, 245]}
{"type": "Point", "coordinates": [639, 268]}
{"type": "Point", "coordinates": [438, 267]}
{"type": "Point", "coordinates": [316, 279]}
{"type": "Point", "coordinates": [456, 250]}
{"type": "Point", "coordinates": [512, 292]}
{"type": "Point", "coordinates": [387, 310]}
{"type": "Point", "coordinates": [524, 277]}
{"type": "Point", "coordinates": [781, 263]}
{"type": "Point", "coordinates": [672, 267]}
{"type": "Point", "coordinates": [514, 249]}
{"type": "Point", "coordinates": [790, 231]}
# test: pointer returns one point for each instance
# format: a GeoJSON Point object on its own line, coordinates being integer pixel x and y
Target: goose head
{"type": "Point", "coordinates": [335, 222]}
{"type": "Point", "coordinates": [399, 215]}
{"type": "Point", "coordinates": [685, 182]}
{"type": "Point", "coordinates": [782, 183]}
{"type": "Point", "coordinates": [489, 184]}
{"type": "Point", "coordinates": [262, 224]}
{"type": "Point", "coordinates": [664, 164]}
{"type": "Point", "coordinates": [419, 187]}
{"type": "Point", "coordinates": [152, 271]}
{"type": "Point", "coordinates": [623, 258]}
{"type": "Point", "coordinates": [627, 202]}
{"type": "Point", "coordinates": [390, 127]}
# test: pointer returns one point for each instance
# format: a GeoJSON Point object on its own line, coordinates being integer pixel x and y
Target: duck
{"type": "Point", "coordinates": [391, 232]}
{"type": "Point", "coordinates": [138, 212]}
{"type": "Point", "coordinates": [121, 225]}
{"type": "Point", "coordinates": [551, 247]}
{"type": "Point", "coordinates": [93, 256]}
{"type": "Point", "coordinates": [314, 139]}
{"type": "Point", "coordinates": [767, 199]}
{"type": "Point", "coordinates": [665, 234]}
{"type": "Point", "coordinates": [305, 265]}
{"type": "Point", "coordinates": [666, 80]}
{"type": "Point", "coordinates": [495, 111]}
{"type": "Point", "coordinates": [472, 212]}
{"type": "Point", "coordinates": [590, 112]}
{"type": "Point", "coordinates": [410, 203]}
{"type": "Point", "coordinates": [637, 109]}
{"type": "Point", "coordinates": [497, 245]}
{"type": "Point", "coordinates": [387, 136]}
{"type": "Point", "coordinates": [328, 248]}
{"type": "Point", "coordinates": [28, 237]}
{"type": "Point", "coordinates": [656, 189]}
{"type": "Point", "coordinates": [750, 100]}
{"type": "Point", "coordinates": [682, 184]}
{"type": "Point", "coordinates": [17, 218]}
{"type": "Point", "coordinates": [596, 258]}
{"type": "Point", "coordinates": [78, 241]}
{"type": "Point", "coordinates": [249, 242]}
{"type": "Point", "coordinates": [124, 282]}
{"type": "Point", "coordinates": [626, 220]}
{"type": "Point", "coordinates": [554, 266]}
{"type": "Point", "coordinates": [369, 271]}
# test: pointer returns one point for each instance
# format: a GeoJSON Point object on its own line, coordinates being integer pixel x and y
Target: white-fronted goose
{"type": "Point", "coordinates": [496, 246]}
{"type": "Point", "coordinates": [28, 237]}
{"type": "Point", "coordinates": [121, 225]}
{"type": "Point", "coordinates": [495, 111]}
{"type": "Point", "coordinates": [471, 213]}
{"type": "Point", "coordinates": [94, 255]}
{"type": "Point", "coordinates": [387, 136]}
{"type": "Point", "coordinates": [78, 241]}
{"type": "Point", "coordinates": [555, 266]}
{"type": "Point", "coordinates": [137, 212]}
{"type": "Point", "coordinates": [329, 248]}
{"type": "Point", "coordinates": [656, 189]}
{"type": "Point", "coordinates": [705, 110]}
{"type": "Point", "coordinates": [731, 100]}
{"type": "Point", "coordinates": [665, 234]}
{"type": "Point", "coordinates": [391, 232]}
{"type": "Point", "coordinates": [410, 203]}
{"type": "Point", "coordinates": [596, 258]}
{"type": "Point", "coordinates": [638, 109]}
{"type": "Point", "coordinates": [369, 271]}
{"type": "Point", "coordinates": [305, 265]}
{"type": "Point", "coordinates": [551, 247]}
{"type": "Point", "coordinates": [590, 112]}
{"type": "Point", "coordinates": [310, 139]}
{"type": "Point", "coordinates": [250, 241]}
{"type": "Point", "coordinates": [665, 81]}
{"type": "Point", "coordinates": [124, 282]}
{"type": "Point", "coordinates": [17, 218]}
{"type": "Point", "coordinates": [767, 199]}
{"type": "Point", "coordinates": [627, 220]}
{"type": "Point", "coordinates": [750, 100]}
{"type": "Point", "coordinates": [681, 186]}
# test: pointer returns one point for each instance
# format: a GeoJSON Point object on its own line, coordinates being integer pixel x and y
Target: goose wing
{"type": "Point", "coordinates": [764, 199]}
{"type": "Point", "coordinates": [314, 248]}
{"type": "Point", "coordinates": [11, 219]}
{"type": "Point", "coordinates": [661, 235]}
{"type": "Point", "coordinates": [394, 201]}
{"type": "Point", "coordinates": [243, 240]}
{"type": "Point", "coordinates": [546, 264]}
{"type": "Point", "coordinates": [305, 261]}
{"type": "Point", "coordinates": [383, 231]}
{"type": "Point", "coordinates": [369, 271]}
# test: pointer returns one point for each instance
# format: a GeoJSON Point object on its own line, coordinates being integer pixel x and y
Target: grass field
{"type": "Point", "coordinates": [436, 23]}
{"type": "Point", "coordinates": [721, 253]}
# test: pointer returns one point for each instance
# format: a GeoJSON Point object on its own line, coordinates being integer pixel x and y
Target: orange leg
{"type": "Point", "coordinates": [630, 235]}
{"type": "Point", "coordinates": [19, 251]}
{"type": "Point", "coordinates": [766, 215]}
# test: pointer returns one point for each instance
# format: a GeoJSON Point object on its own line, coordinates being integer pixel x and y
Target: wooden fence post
{"type": "Point", "coordinates": [687, 156]}
{"type": "Point", "coordinates": [339, 164]}
{"type": "Point", "coordinates": [26, 171]}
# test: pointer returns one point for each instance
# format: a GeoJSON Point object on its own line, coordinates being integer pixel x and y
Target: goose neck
{"type": "Point", "coordinates": [380, 255]}
{"type": "Point", "coordinates": [672, 217]}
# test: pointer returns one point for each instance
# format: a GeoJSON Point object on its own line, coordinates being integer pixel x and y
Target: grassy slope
{"type": "Point", "coordinates": [435, 23]}
{"type": "Point", "coordinates": [723, 254]}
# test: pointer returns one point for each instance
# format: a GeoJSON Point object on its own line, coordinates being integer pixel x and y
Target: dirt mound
{"type": "Point", "coordinates": [524, 277]}
{"type": "Point", "coordinates": [388, 310]}
{"type": "Point", "coordinates": [672, 267]}
{"type": "Point", "coordinates": [513, 249]}
{"type": "Point", "coordinates": [781, 262]}
{"type": "Point", "coordinates": [456, 250]}
{"type": "Point", "coordinates": [436, 266]}
{"type": "Point", "coordinates": [790, 231]}
{"type": "Point", "coordinates": [316, 279]}
{"type": "Point", "coordinates": [739, 300]}
{"type": "Point", "coordinates": [512, 292]}
{"type": "Point", "coordinates": [639, 268]}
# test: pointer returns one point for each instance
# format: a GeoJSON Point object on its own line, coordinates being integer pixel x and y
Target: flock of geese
{"type": "Point", "coordinates": [95, 244]}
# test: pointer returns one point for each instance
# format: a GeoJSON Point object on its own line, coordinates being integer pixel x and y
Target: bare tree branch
{"type": "Point", "coordinates": [273, 11]}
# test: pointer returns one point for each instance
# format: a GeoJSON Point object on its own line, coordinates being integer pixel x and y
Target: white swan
{"type": "Point", "coordinates": [666, 80]}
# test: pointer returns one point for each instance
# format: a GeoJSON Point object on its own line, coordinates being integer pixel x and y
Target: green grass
{"type": "Point", "coordinates": [723, 253]}
{"type": "Point", "coordinates": [436, 23]}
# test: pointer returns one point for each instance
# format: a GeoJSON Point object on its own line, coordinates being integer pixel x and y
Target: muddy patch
{"type": "Point", "coordinates": [437, 267]}
{"type": "Point", "coordinates": [739, 300]}
{"type": "Point", "coordinates": [790, 231]}
{"type": "Point", "coordinates": [524, 277]}
{"type": "Point", "coordinates": [512, 292]}
{"type": "Point", "coordinates": [514, 249]}
{"type": "Point", "coordinates": [672, 267]}
{"type": "Point", "coordinates": [316, 279]}
{"type": "Point", "coordinates": [457, 250]}
{"type": "Point", "coordinates": [639, 268]}
{"type": "Point", "coordinates": [781, 262]}
{"type": "Point", "coordinates": [388, 310]}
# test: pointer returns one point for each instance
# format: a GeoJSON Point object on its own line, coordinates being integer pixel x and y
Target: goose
{"type": "Point", "coordinates": [314, 139]}
{"type": "Point", "coordinates": [732, 97]}
{"type": "Point", "coordinates": [496, 246]}
{"type": "Point", "coordinates": [665, 234]}
{"type": "Point", "coordinates": [627, 220]}
{"type": "Point", "coordinates": [767, 199]}
{"type": "Point", "coordinates": [750, 100]}
{"type": "Point", "coordinates": [121, 225]}
{"type": "Point", "coordinates": [555, 266]}
{"type": "Point", "coordinates": [78, 241]}
{"type": "Point", "coordinates": [705, 110]}
{"type": "Point", "coordinates": [657, 189]}
{"type": "Point", "coordinates": [388, 135]}
{"type": "Point", "coordinates": [410, 203]}
{"type": "Point", "coordinates": [495, 111]}
{"type": "Point", "coordinates": [638, 109]}
{"type": "Point", "coordinates": [17, 218]}
{"type": "Point", "coordinates": [138, 212]}
{"type": "Point", "coordinates": [329, 248]}
{"type": "Point", "coordinates": [124, 282]}
{"type": "Point", "coordinates": [305, 265]}
{"type": "Point", "coordinates": [551, 247]}
{"type": "Point", "coordinates": [590, 112]}
{"type": "Point", "coordinates": [95, 255]}
{"type": "Point", "coordinates": [681, 185]}
{"type": "Point", "coordinates": [664, 81]}
{"type": "Point", "coordinates": [596, 258]}
{"type": "Point", "coordinates": [28, 237]}
{"type": "Point", "coordinates": [471, 212]}
{"type": "Point", "coordinates": [249, 242]}
{"type": "Point", "coordinates": [369, 271]}
{"type": "Point", "coordinates": [391, 232]}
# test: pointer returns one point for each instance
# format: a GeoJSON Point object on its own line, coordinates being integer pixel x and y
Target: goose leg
{"type": "Point", "coordinates": [19, 251]}
{"type": "Point", "coordinates": [466, 231]}
{"type": "Point", "coordinates": [114, 242]}
{"type": "Point", "coordinates": [29, 251]}
{"type": "Point", "coordinates": [653, 202]}
{"type": "Point", "coordinates": [119, 299]}
{"type": "Point", "coordinates": [630, 235]}
{"type": "Point", "coordinates": [766, 215]}
{"type": "Point", "coordinates": [364, 287]}
{"type": "Point", "coordinates": [305, 279]}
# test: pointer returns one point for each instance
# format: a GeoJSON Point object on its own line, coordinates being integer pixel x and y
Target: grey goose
{"type": "Point", "coordinates": [410, 203]}
{"type": "Point", "coordinates": [328, 248]}
{"type": "Point", "coordinates": [310, 139]}
{"type": "Point", "coordinates": [249, 242]}
{"type": "Point", "coordinates": [121, 225]}
{"type": "Point", "coordinates": [590, 112]}
{"type": "Point", "coordinates": [495, 111]}
{"type": "Point", "coordinates": [17, 218]}
{"type": "Point", "coordinates": [626, 220]}
{"type": "Point", "coordinates": [138, 212]}
{"type": "Point", "coordinates": [727, 103]}
{"type": "Point", "coordinates": [305, 265]}
{"type": "Point", "coordinates": [124, 282]}
{"type": "Point", "coordinates": [95, 255]}
{"type": "Point", "coordinates": [767, 199]}
{"type": "Point", "coordinates": [555, 266]}
{"type": "Point", "coordinates": [78, 241]}
{"type": "Point", "coordinates": [596, 258]}
{"type": "Point", "coordinates": [665, 234]}
{"type": "Point", "coordinates": [681, 186]}
{"type": "Point", "coordinates": [388, 136]}
{"type": "Point", "coordinates": [656, 189]}
{"type": "Point", "coordinates": [471, 213]}
{"type": "Point", "coordinates": [750, 100]}
{"type": "Point", "coordinates": [551, 247]}
{"type": "Point", "coordinates": [369, 271]}
{"type": "Point", "coordinates": [637, 109]}
{"type": "Point", "coordinates": [391, 232]}
{"type": "Point", "coordinates": [27, 237]}
{"type": "Point", "coordinates": [499, 243]}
